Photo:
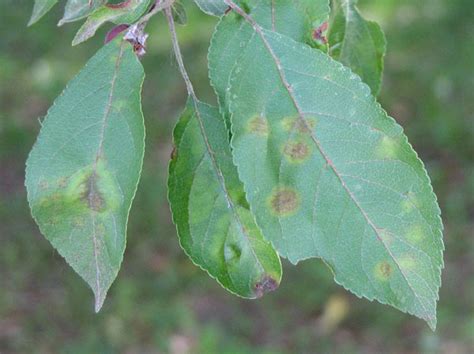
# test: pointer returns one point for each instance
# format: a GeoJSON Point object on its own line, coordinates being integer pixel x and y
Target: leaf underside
{"type": "Point", "coordinates": [326, 172]}
{"type": "Point", "coordinates": [215, 227]}
{"type": "Point", "coordinates": [83, 170]}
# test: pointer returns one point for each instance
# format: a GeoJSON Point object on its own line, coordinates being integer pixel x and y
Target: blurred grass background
{"type": "Point", "coordinates": [160, 302]}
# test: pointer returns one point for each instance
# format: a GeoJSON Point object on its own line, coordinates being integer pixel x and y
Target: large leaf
{"type": "Point", "coordinates": [83, 171]}
{"type": "Point", "coordinates": [295, 19]}
{"type": "Point", "coordinates": [327, 173]}
{"type": "Point", "coordinates": [123, 13]}
{"type": "Point", "coordinates": [215, 227]}
{"type": "Point", "coordinates": [78, 9]}
{"type": "Point", "coordinates": [40, 8]}
{"type": "Point", "coordinates": [212, 7]}
{"type": "Point", "coordinates": [357, 43]}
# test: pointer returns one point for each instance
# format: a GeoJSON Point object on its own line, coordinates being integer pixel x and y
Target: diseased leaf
{"type": "Point", "coordinates": [78, 9]}
{"type": "Point", "coordinates": [123, 13]}
{"type": "Point", "coordinates": [40, 8]}
{"type": "Point", "coordinates": [215, 226]}
{"type": "Point", "coordinates": [357, 43]}
{"type": "Point", "coordinates": [327, 173]}
{"type": "Point", "coordinates": [212, 7]}
{"type": "Point", "coordinates": [83, 170]}
{"type": "Point", "coordinates": [317, 15]}
{"type": "Point", "coordinates": [295, 19]}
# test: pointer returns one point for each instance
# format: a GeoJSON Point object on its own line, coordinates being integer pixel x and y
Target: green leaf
{"type": "Point", "coordinates": [215, 227]}
{"type": "Point", "coordinates": [40, 8]}
{"type": "Point", "coordinates": [83, 171]}
{"type": "Point", "coordinates": [212, 7]}
{"type": "Point", "coordinates": [317, 14]}
{"type": "Point", "coordinates": [78, 9]}
{"type": "Point", "coordinates": [357, 43]}
{"type": "Point", "coordinates": [327, 173]}
{"type": "Point", "coordinates": [179, 13]}
{"type": "Point", "coordinates": [294, 19]}
{"type": "Point", "coordinates": [124, 13]}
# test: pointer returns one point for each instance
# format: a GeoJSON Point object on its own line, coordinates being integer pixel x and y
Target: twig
{"type": "Point", "coordinates": [159, 6]}
{"type": "Point", "coordinates": [178, 55]}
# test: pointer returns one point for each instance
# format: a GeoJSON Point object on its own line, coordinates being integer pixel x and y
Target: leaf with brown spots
{"type": "Point", "coordinates": [215, 227]}
{"type": "Point", "coordinates": [83, 171]}
{"type": "Point", "coordinates": [333, 177]}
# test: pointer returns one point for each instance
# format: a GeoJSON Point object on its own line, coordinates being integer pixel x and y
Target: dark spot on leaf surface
{"type": "Point", "coordinates": [296, 151]}
{"type": "Point", "coordinates": [284, 201]}
{"type": "Point", "coordinates": [384, 270]}
{"type": "Point", "coordinates": [92, 196]}
{"type": "Point", "coordinates": [174, 153]}
{"type": "Point", "coordinates": [265, 285]}
{"type": "Point", "coordinates": [258, 125]}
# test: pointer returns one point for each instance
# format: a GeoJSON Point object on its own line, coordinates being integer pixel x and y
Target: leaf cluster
{"type": "Point", "coordinates": [297, 161]}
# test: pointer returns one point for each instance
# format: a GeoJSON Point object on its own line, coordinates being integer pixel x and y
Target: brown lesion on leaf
{"type": "Point", "coordinates": [266, 285]}
{"type": "Point", "coordinates": [92, 196]}
{"type": "Point", "coordinates": [174, 153]}
{"type": "Point", "coordinates": [298, 124]}
{"type": "Point", "coordinates": [319, 33]}
{"type": "Point", "coordinates": [296, 151]}
{"type": "Point", "coordinates": [284, 201]}
{"type": "Point", "coordinates": [258, 125]}
{"type": "Point", "coordinates": [383, 270]}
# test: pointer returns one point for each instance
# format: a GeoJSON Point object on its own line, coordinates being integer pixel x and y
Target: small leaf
{"type": "Point", "coordinates": [179, 13]}
{"type": "Point", "coordinates": [327, 173]}
{"type": "Point", "coordinates": [317, 16]}
{"type": "Point", "coordinates": [83, 170]}
{"type": "Point", "coordinates": [212, 7]}
{"type": "Point", "coordinates": [40, 8]}
{"type": "Point", "coordinates": [357, 43]}
{"type": "Point", "coordinates": [123, 13]}
{"type": "Point", "coordinates": [215, 227]}
{"type": "Point", "coordinates": [78, 9]}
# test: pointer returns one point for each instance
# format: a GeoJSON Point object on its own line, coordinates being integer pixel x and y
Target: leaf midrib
{"type": "Point", "coordinates": [221, 179]}
{"type": "Point", "coordinates": [99, 153]}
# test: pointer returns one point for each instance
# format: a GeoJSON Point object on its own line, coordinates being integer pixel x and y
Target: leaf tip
{"type": "Point", "coordinates": [432, 322]}
{"type": "Point", "coordinates": [32, 21]}
{"type": "Point", "coordinates": [99, 302]}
